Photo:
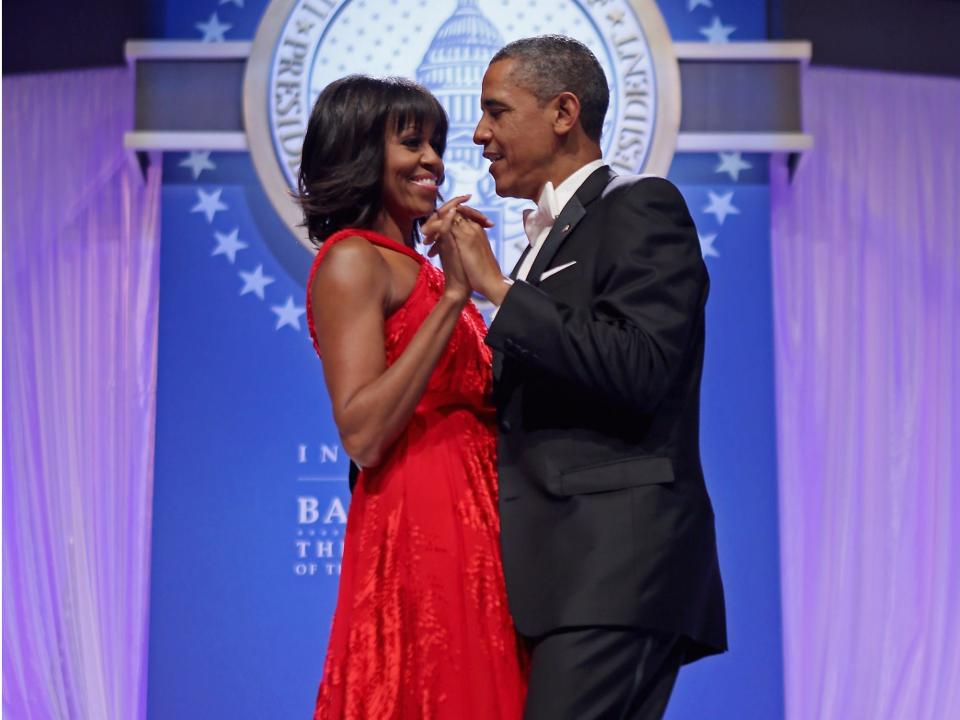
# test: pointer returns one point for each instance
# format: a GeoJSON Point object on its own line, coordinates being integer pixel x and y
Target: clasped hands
{"type": "Point", "coordinates": [457, 233]}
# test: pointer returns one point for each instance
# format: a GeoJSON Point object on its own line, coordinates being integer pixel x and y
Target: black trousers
{"type": "Point", "coordinates": [602, 673]}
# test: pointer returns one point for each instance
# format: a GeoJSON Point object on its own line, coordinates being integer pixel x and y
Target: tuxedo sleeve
{"type": "Point", "coordinates": [629, 342]}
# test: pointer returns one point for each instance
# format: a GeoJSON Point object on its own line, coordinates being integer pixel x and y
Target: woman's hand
{"type": "Point", "coordinates": [475, 215]}
{"type": "Point", "coordinates": [437, 232]}
{"type": "Point", "coordinates": [437, 227]}
{"type": "Point", "coordinates": [456, 285]}
{"type": "Point", "coordinates": [478, 261]}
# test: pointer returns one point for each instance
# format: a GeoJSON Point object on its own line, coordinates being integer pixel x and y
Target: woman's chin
{"type": "Point", "coordinates": [421, 210]}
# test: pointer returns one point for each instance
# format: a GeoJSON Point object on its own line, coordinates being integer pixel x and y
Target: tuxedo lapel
{"type": "Point", "coordinates": [523, 256]}
{"type": "Point", "coordinates": [566, 221]}
{"type": "Point", "coordinates": [572, 213]}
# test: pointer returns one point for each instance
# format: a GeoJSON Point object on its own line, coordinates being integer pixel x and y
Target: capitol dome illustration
{"type": "Point", "coordinates": [452, 69]}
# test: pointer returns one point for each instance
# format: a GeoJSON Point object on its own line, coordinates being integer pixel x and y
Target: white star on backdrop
{"type": "Point", "coordinates": [694, 4]}
{"type": "Point", "coordinates": [238, 3]}
{"type": "Point", "coordinates": [732, 163]}
{"type": "Point", "coordinates": [198, 162]}
{"type": "Point", "coordinates": [706, 245]}
{"type": "Point", "coordinates": [209, 203]}
{"type": "Point", "coordinates": [288, 314]}
{"type": "Point", "coordinates": [255, 282]}
{"type": "Point", "coordinates": [717, 32]}
{"type": "Point", "coordinates": [721, 206]}
{"type": "Point", "coordinates": [228, 244]}
{"type": "Point", "coordinates": [213, 29]}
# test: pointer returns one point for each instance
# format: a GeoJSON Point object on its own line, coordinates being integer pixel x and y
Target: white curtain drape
{"type": "Point", "coordinates": [80, 299]}
{"type": "Point", "coordinates": [866, 262]}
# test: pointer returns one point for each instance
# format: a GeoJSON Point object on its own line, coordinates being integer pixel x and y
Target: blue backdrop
{"type": "Point", "coordinates": [250, 490]}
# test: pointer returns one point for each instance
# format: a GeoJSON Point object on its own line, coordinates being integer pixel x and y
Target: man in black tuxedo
{"type": "Point", "coordinates": [607, 530]}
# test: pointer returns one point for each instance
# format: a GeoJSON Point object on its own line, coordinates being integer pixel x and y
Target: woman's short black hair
{"type": "Point", "coordinates": [341, 167]}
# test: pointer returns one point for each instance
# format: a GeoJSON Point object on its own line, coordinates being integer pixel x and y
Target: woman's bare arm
{"type": "Point", "coordinates": [372, 403]}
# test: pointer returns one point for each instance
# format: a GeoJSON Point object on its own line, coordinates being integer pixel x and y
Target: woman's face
{"type": "Point", "coordinates": [412, 172]}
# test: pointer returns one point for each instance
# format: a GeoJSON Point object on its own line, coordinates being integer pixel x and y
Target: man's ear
{"type": "Point", "coordinates": [567, 106]}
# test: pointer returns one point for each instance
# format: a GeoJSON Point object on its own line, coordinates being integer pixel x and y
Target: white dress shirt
{"type": "Point", "coordinates": [564, 192]}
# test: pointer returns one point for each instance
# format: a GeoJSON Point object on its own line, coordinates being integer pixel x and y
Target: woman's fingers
{"type": "Point", "coordinates": [453, 202]}
{"type": "Point", "coordinates": [473, 214]}
{"type": "Point", "coordinates": [439, 222]}
{"type": "Point", "coordinates": [449, 224]}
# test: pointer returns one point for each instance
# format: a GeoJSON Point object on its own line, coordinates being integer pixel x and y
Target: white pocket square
{"type": "Point", "coordinates": [558, 268]}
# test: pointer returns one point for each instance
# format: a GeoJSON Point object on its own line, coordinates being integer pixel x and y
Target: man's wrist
{"type": "Point", "coordinates": [496, 290]}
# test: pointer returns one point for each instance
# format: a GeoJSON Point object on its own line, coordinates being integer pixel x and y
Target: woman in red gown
{"type": "Point", "coordinates": [422, 628]}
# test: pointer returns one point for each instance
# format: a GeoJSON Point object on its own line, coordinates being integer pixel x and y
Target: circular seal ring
{"type": "Point", "coordinates": [638, 47]}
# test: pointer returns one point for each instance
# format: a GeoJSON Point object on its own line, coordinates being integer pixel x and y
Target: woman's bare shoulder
{"type": "Point", "coordinates": [351, 263]}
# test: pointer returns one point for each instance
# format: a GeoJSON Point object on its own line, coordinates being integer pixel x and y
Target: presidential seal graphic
{"type": "Point", "coordinates": [303, 45]}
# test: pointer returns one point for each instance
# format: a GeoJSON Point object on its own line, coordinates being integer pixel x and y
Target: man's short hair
{"type": "Point", "coordinates": [548, 65]}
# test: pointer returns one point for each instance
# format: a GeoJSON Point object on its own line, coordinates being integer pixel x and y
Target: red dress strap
{"type": "Point", "coordinates": [368, 235]}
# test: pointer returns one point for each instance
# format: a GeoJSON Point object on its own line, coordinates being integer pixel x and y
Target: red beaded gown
{"type": "Point", "coordinates": [422, 628]}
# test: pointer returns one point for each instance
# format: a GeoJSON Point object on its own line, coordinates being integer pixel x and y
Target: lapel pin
{"type": "Point", "coordinates": [565, 228]}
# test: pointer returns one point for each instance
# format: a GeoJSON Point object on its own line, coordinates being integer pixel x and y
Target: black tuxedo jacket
{"type": "Point", "coordinates": [605, 519]}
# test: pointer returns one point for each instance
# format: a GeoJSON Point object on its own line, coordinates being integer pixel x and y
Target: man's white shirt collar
{"type": "Point", "coordinates": [568, 188]}
{"type": "Point", "coordinates": [561, 196]}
